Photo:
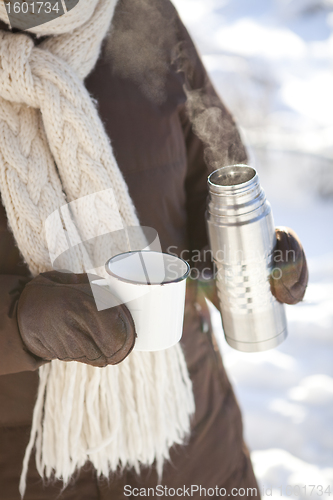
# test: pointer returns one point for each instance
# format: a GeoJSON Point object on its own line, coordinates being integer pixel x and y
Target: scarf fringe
{"type": "Point", "coordinates": [127, 415]}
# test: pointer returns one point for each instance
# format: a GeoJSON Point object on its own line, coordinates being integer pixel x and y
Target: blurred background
{"type": "Point", "coordinates": [272, 63]}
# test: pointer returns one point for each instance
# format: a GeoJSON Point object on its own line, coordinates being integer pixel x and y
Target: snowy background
{"type": "Point", "coordinates": [272, 63]}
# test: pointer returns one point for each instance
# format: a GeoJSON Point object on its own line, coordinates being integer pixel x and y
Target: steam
{"type": "Point", "coordinates": [142, 38]}
{"type": "Point", "coordinates": [142, 45]}
{"type": "Point", "coordinates": [214, 125]}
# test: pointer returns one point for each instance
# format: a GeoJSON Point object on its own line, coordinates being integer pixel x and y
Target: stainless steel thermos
{"type": "Point", "coordinates": [242, 239]}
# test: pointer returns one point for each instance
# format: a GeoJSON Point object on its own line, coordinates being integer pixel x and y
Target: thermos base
{"type": "Point", "coordinates": [257, 346]}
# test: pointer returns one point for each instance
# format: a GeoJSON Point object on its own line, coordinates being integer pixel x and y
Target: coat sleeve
{"type": "Point", "coordinates": [14, 356]}
{"type": "Point", "coordinates": [211, 135]}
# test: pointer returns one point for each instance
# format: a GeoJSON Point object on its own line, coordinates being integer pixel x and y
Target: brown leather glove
{"type": "Point", "coordinates": [289, 278]}
{"type": "Point", "coordinates": [58, 319]}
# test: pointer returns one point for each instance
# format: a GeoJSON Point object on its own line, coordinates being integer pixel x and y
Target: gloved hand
{"type": "Point", "coordinates": [58, 319]}
{"type": "Point", "coordinates": [289, 278]}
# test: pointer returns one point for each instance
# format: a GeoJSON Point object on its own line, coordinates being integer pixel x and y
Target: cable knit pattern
{"type": "Point", "coordinates": [54, 150]}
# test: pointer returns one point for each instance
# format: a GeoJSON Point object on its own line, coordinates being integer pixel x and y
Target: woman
{"type": "Point", "coordinates": [148, 82]}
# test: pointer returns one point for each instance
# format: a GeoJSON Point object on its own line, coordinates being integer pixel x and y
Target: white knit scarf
{"type": "Point", "coordinates": [53, 150]}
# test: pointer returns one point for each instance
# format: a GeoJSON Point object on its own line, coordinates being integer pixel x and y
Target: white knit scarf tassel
{"type": "Point", "coordinates": [125, 415]}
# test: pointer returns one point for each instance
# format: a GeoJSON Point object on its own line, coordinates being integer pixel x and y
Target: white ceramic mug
{"type": "Point", "coordinates": [152, 286]}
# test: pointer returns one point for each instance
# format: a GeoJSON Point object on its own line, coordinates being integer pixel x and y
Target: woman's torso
{"type": "Point", "coordinates": [145, 129]}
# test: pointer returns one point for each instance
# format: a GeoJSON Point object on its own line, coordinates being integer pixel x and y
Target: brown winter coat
{"type": "Point", "coordinates": [142, 104]}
